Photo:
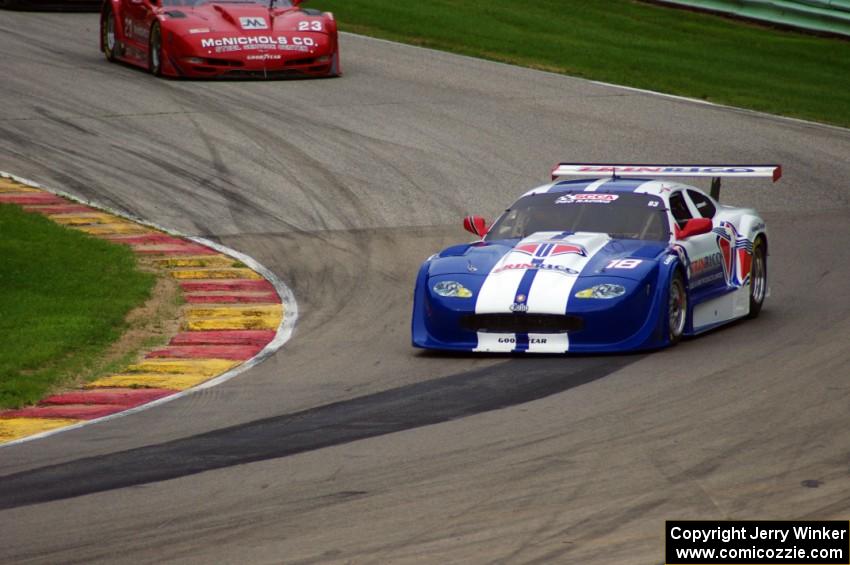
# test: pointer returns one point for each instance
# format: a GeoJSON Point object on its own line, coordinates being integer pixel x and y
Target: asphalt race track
{"type": "Point", "coordinates": [349, 446]}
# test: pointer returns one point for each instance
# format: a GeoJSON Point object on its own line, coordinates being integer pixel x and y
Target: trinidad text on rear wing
{"type": "Point", "coordinates": [715, 172]}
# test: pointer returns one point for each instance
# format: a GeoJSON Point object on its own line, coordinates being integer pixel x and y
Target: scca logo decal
{"type": "Point", "coordinates": [253, 23]}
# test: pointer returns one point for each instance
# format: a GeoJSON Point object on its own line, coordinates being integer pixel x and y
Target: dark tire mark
{"type": "Point", "coordinates": [422, 404]}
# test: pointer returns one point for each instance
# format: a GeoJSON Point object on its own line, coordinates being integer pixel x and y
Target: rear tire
{"type": "Point", "coordinates": [107, 33]}
{"type": "Point", "coordinates": [758, 277]}
{"type": "Point", "coordinates": [155, 50]}
{"type": "Point", "coordinates": [677, 308]}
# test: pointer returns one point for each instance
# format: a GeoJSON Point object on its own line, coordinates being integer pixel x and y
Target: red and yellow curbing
{"type": "Point", "coordinates": [232, 313]}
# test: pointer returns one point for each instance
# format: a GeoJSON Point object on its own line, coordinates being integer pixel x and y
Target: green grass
{"type": "Point", "coordinates": [629, 43]}
{"type": "Point", "coordinates": [63, 300]}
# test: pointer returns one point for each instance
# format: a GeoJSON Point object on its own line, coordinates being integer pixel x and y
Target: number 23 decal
{"type": "Point", "coordinates": [310, 26]}
{"type": "Point", "coordinates": [623, 264]}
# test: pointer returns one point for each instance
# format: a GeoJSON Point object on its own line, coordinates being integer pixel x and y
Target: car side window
{"type": "Point", "coordinates": [704, 205]}
{"type": "Point", "coordinates": [679, 209]}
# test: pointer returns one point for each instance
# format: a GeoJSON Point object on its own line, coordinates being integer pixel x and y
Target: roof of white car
{"type": "Point", "coordinates": [660, 188]}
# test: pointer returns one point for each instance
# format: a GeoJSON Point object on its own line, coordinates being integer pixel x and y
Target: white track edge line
{"type": "Point", "coordinates": [676, 97]}
{"type": "Point", "coordinates": [283, 334]}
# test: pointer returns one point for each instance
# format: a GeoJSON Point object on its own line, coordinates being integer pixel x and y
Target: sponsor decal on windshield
{"type": "Point", "coordinates": [589, 197]}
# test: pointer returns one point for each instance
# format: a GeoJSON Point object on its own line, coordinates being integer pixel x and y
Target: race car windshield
{"type": "Point", "coordinates": [625, 215]}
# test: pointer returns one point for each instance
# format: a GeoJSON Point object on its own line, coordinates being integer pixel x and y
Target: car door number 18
{"type": "Point", "coordinates": [310, 26]}
{"type": "Point", "coordinates": [623, 264]}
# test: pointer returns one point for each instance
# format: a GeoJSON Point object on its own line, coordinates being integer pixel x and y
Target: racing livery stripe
{"type": "Point", "coordinates": [536, 276]}
{"type": "Point", "coordinates": [569, 186]}
{"type": "Point", "coordinates": [608, 184]}
{"type": "Point", "coordinates": [514, 273]}
{"type": "Point", "coordinates": [521, 342]}
{"type": "Point", "coordinates": [648, 187]}
{"type": "Point", "coordinates": [551, 289]}
{"type": "Point", "coordinates": [592, 187]}
{"type": "Point", "coordinates": [524, 289]}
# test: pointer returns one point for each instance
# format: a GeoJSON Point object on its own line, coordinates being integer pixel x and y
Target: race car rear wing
{"type": "Point", "coordinates": [716, 172]}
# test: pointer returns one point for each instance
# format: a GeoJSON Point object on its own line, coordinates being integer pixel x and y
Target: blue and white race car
{"type": "Point", "coordinates": [616, 263]}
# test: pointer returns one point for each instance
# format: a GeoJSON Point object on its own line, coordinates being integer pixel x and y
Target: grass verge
{"type": "Point", "coordinates": [630, 43]}
{"type": "Point", "coordinates": [64, 299]}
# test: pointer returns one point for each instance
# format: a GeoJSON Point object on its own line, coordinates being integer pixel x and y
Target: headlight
{"type": "Point", "coordinates": [604, 291]}
{"type": "Point", "coordinates": [452, 289]}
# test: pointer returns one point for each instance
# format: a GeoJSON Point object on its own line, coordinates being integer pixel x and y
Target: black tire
{"type": "Point", "coordinates": [155, 50]}
{"type": "Point", "coordinates": [677, 308]}
{"type": "Point", "coordinates": [335, 70]}
{"type": "Point", "coordinates": [10, 4]}
{"type": "Point", "coordinates": [758, 277]}
{"type": "Point", "coordinates": [107, 33]}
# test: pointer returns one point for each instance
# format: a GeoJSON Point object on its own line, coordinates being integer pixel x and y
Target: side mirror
{"type": "Point", "coordinates": [475, 225]}
{"type": "Point", "coordinates": [694, 226]}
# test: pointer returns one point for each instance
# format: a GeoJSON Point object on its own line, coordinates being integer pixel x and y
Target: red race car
{"type": "Point", "coordinates": [221, 38]}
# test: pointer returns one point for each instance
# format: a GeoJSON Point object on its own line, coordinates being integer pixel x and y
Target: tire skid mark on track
{"type": "Point", "coordinates": [188, 361]}
{"type": "Point", "coordinates": [396, 410]}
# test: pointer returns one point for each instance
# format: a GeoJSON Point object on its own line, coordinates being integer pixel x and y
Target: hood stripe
{"type": "Point", "coordinates": [525, 283]}
{"type": "Point", "coordinates": [521, 343]}
{"type": "Point", "coordinates": [521, 295]}
{"type": "Point", "coordinates": [544, 288]}
{"type": "Point", "coordinates": [550, 291]}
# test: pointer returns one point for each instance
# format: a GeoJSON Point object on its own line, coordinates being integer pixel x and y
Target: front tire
{"type": "Point", "coordinates": [758, 277]}
{"type": "Point", "coordinates": [336, 70]}
{"type": "Point", "coordinates": [107, 34]}
{"type": "Point", "coordinates": [155, 50]}
{"type": "Point", "coordinates": [677, 308]}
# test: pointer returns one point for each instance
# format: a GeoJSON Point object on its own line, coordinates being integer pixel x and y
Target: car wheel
{"type": "Point", "coordinates": [107, 30]}
{"type": "Point", "coordinates": [677, 308]}
{"type": "Point", "coordinates": [335, 68]}
{"type": "Point", "coordinates": [155, 50]}
{"type": "Point", "coordinates": [758, 277]}
{"type": "Point", "coordinates": [10, 4]}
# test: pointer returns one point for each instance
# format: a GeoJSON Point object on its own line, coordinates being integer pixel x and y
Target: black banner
{"type": "Point", "coordinates": [757, 542]}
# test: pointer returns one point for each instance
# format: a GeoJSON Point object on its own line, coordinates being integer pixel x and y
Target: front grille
{"type": "Point", "coordinates": [521, 323]}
